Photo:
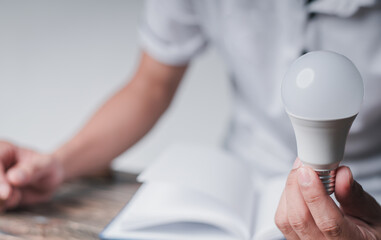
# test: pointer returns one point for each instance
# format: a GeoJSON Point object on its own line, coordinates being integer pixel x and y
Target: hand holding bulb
{"type": "Point", "coordinates": [323, 92]}
{"type": "Point", "coordinates": [305, 211]}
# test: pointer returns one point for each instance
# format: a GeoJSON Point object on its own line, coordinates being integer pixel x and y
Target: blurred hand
{"type": "Point", "coordinates": [305, 211]}
{"type": "Point", "coordinates": [26, 177]}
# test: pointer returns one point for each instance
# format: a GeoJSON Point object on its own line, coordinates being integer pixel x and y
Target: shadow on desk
{"type": "Point", "coordinates": [79, 210]}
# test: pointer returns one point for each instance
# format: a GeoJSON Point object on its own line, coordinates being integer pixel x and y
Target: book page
{"type": "Point", "coordinates": [202, 191]}
{"type": "Point", "coordinates": [213, 172]}
{"type": "Point", "coordinates": [265, 227]}
{"type": "Point", "coordinates": [167, 211]}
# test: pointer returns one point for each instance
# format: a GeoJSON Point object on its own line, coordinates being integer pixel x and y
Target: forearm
{"type": "Point", "coordinates": [118, 124]}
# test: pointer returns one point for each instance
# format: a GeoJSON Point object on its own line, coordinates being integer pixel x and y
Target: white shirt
{"type": "Point", "coordinates": [258, 40]}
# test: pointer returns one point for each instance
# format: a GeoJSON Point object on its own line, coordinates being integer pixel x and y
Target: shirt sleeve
{"type": "Point", "coordinates": [170, 31]}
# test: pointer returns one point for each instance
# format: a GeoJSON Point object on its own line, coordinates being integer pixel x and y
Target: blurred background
{"type": "Point", "coordinates": [61, 59]}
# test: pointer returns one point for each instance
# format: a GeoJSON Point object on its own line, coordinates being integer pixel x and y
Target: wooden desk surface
{"type": "Point", "coordinates": [80, 210]}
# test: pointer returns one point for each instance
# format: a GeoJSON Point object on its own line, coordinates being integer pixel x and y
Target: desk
{"type": "Point", "coordinates": [79, 210]}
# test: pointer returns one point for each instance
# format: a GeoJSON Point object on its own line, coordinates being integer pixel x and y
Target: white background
{"type": "Point", "coordinates": [59, 60]}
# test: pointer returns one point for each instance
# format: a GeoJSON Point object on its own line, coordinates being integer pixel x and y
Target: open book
{"type": "Point", "coordinates": [193, 192]}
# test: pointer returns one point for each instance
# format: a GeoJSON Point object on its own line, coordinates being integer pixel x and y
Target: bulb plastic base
{"type": "Point", "coordinates": [327, 177]}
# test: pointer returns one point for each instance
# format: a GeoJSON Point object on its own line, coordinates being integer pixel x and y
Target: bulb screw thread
{"type": "Point", "coordinates": [327, 177]}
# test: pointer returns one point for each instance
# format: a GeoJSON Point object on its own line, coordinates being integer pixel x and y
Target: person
{"type": "Point", "coordinates": [258, 39]}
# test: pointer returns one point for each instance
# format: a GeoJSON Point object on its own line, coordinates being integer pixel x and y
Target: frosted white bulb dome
{"type": "Point", "coordinates": [322, 85]}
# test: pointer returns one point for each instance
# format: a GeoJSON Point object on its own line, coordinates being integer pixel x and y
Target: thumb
{"type": "Point", "coordinates": [18, 175]}
{"type": "Point", "coordinates": [27, 170]}
{"type": "Point", "coordinates": [353, 199]}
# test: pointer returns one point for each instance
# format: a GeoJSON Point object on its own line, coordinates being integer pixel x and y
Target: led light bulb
{"type": "Point", "coordinates": [322, 93]}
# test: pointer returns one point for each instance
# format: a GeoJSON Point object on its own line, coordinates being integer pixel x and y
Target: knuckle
{"type": "Point", "coordinates": [283, 224]}
{"type": "Point", "coordinates": [299, 225]}
{"type": "Point", "coordinates": [313, 199]}
{"type": "Point", "coordinates": [299, 222]}
{"type": "Point", "coordinates": [330, 228]}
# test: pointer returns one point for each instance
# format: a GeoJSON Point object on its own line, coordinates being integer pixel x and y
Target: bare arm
{"type": "Point", "coordinates": [122, 120]}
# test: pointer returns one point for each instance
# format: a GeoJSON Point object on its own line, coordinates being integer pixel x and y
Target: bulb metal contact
{"type": "Point", "coordinates": [327, 177]}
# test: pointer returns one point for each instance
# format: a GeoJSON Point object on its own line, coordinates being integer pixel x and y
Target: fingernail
{"type": "Point", "coordinates": [17, 176]}
{"type": "Point", "coordinates": [4, 191]}
{"type": "Point", "coordinates": [304, 177]}
{"type": "Point", "coordinates": [297, 164]}
{"type": "Point", "coordinates": [350, 178]}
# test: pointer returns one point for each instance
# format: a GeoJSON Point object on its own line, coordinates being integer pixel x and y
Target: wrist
{"type": "Point", "coordinates": [58, 166]}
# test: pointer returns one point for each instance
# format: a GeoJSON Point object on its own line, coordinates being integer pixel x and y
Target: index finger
{"type": "Point", "coordinates": [328, 217]}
